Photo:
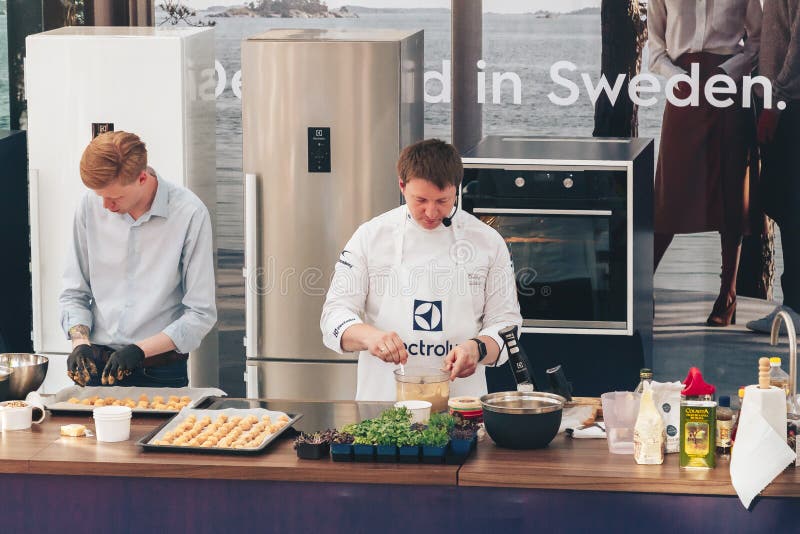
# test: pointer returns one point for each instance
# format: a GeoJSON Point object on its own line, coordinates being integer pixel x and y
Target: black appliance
{"type": "Point", "coordinates": [15, 314]}
{"type": "Point", "coordinates": [577, 217]}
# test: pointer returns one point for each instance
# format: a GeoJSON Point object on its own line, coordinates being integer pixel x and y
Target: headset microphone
{"type": "Point", "coordinates": [447, 221]}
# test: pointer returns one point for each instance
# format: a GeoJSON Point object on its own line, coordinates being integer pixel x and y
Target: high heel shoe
{"type": "Point", "coordinates": [723, 313]}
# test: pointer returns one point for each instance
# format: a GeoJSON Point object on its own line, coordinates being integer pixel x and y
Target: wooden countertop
{"type": "Point", "coordinates": [41, 450]}
{"type": "Point", "coordinates": [586, 465]}
{"type": "Point", "coordinates": [583, 465]}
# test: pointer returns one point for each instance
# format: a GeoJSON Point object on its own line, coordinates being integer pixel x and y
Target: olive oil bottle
{"type": "Point", "coordinates": [698, 423]}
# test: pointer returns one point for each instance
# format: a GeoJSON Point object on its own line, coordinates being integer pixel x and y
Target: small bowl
{"type": "Point", "coordinates": [521, 420]}
{"type": "Point", "coordinates": [28, 375]}
{"type": "Point", "coordinates": [420, 410]}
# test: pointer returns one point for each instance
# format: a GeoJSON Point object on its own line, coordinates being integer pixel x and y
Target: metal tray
{"type": "Point", "coordinates": [146, 445]}
{"type": "Point", "coordinates": [58, 403]}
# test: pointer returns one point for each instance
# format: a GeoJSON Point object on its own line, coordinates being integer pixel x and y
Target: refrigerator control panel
{"type": "Point", "coordinates": [101, 128]}
{"type": "Point", "coordinates": [319, 149]}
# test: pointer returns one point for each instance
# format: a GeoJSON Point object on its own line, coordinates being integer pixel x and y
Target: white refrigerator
{"type": "Point", "coordinates": [157, 83]}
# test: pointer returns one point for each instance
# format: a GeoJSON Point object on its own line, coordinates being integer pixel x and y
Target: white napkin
{"type": "Point", "coordinates": [574, 416]}
{"type": "Point", "coordinates": [596, 430]}
{"type": "Point", "coordinates": [760, 453]}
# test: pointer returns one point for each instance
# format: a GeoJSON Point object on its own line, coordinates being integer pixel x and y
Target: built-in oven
{"type": "Point", "coordinates": [568, 235]}
{"type": "Point", "coordinates": [576, 214]}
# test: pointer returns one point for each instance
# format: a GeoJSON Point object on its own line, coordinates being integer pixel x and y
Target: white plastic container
{"type": "Point", "coordinates": [420, 410]}
{"type": "Point", "coordinates": [112, 423]}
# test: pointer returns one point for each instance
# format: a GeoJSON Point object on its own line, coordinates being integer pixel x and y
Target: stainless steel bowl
{"type": "Point", "coordinates": [520, 420]}
{"type": "Point", "coordinates": [5, 375]}
{"type": "Point", "coordinates": [522, 402]}
{"type": "Point", "coordinates": [28, 375]}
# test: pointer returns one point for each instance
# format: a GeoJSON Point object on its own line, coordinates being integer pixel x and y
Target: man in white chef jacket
{"type": "Point", "coordinates": [424, 284]}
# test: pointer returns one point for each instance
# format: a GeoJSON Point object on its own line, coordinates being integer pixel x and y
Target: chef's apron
{"type": "Point", "coordinates": [430, 321]}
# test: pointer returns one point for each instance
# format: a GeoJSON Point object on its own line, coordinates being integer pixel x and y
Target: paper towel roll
{"type": "Point", "coordinates": [770, 403]}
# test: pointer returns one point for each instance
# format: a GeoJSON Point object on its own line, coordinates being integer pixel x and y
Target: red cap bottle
{"type": "Point", "coordinates": [695, 386]}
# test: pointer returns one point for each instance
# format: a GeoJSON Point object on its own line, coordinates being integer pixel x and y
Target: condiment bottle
{"type": "Point", "coordinates": [778, 377]}
{"type": "Point", "coordinates": [645, 377]}
{"type": "Point", "coordinates": [698, 422]}
{"type": "Point", "coordinates": [648, 432]}
{"type": "Point", "coordinates": [724, 426]}
{"type": "Point", "coordinates": [738, 416]}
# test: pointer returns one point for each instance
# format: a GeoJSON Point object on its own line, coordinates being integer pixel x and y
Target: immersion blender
{"type": "Point", "coordinates": [518, 360]}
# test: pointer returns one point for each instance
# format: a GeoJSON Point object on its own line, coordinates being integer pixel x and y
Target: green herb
{"type": "Point", "coordinates": [434, 437]}
{"type": "Point", "coordinates": [409, 437]}
{"type": "Point", "coordinates": [392, 427]}
{"type": "Point", "coordinates": [442, 420]}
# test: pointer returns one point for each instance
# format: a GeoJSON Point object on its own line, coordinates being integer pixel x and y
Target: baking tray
{"type": "Point", "coordinates": [186, 412]}
{"type": "Point", "coordinates": [317, 415]}
{"type": "Point", "coordinates": [58, 403]}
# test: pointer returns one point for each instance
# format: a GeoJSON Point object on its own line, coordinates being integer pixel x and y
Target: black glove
{"type": "Point", "coordinates": [80, 365]}
{"type": "Point", "coordinates": [122, 363]}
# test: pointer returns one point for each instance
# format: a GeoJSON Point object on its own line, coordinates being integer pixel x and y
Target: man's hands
{"type": "Point", "coordinates": [122, 363]}
{"type": "Point", "coordinates": [387, 346]}
{"type": "Point", "coordinates": [80, 364]}
{"type": "Point", "coordinates": [462, 360]}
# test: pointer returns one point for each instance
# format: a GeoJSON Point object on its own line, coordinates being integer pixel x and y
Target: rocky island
{"type": "Point", "coordinates": [306, 9]}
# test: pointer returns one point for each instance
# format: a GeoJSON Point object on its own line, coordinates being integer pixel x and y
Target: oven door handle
{"type": "Point", "coordinates": [512, 211]}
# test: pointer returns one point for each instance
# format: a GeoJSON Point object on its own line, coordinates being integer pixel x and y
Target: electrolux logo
{"type": "Point", "coordinates": [428, 315]}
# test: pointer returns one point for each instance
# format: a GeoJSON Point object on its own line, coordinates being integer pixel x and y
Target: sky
{"type": "Point", "coordinates": [496, 6]}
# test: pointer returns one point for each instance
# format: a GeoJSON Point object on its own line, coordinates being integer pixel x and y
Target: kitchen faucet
{"type": "Point", "coordinates": [782, 316]}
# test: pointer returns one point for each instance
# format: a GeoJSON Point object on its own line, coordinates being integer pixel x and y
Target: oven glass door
{"type": "Point", "coordinates": [570, 265]}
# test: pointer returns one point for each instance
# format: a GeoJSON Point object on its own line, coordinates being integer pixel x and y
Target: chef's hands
{"type": "Point", "coordinates": [80, 364]}
{"type": "Point", "coordinates": [462, 360]}
{"type": "Point", "coordinates": [387, 346]}
{"type": "Point", "coordinates": [122, 363]}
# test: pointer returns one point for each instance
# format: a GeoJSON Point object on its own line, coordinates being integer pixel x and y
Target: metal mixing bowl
{"type": "Point", "coordinates": [520, 420]}
{"type": "Point", "coordinates": [5, 375]}
{"type": "Point", "coordinates": [28, 375]}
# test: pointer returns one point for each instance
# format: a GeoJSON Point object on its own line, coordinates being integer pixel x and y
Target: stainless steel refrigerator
{"type": "Point", "coordinates": [325, 114]}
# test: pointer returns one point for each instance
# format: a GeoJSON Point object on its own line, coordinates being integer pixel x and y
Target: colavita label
{"type": "Point", "coordinates": [698, 434]}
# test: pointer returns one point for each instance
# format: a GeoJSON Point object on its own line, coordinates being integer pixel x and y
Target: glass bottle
{"type": "Point", "coordinates": [645, 376]}
{"type": "Point", "coordinates": [648, 432]}
{"type": "Point", "coordinates": [724, 426]}
{"type": "Point", "coordinates": [779, 378]}
{"type": "Point", "coordinates": [738, 416]}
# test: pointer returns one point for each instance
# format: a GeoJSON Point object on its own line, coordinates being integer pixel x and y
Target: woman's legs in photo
{"type": "Point", "coordinates": [724, 311]}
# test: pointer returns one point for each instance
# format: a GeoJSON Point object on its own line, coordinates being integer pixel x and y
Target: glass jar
{"type": "Point", "coordinates": [424, 383]}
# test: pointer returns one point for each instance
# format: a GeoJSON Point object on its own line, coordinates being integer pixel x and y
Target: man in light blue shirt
{"type": "Point", "coordinates": [138, 288]}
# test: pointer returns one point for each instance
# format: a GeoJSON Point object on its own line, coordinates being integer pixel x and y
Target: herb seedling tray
{"type": "Point", "coordinates": [453, 455]}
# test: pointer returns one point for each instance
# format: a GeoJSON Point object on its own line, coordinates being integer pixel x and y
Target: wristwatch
{"type": "Point", "coordinates": [481, 348]}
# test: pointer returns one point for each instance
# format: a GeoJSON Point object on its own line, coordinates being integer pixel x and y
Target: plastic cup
{"type": "Point", "coordinates": [420, 410]}
{"type": "Point", "coordinates": [620, 409]}
{"type": "Point", "coordinates": [112, 423]}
